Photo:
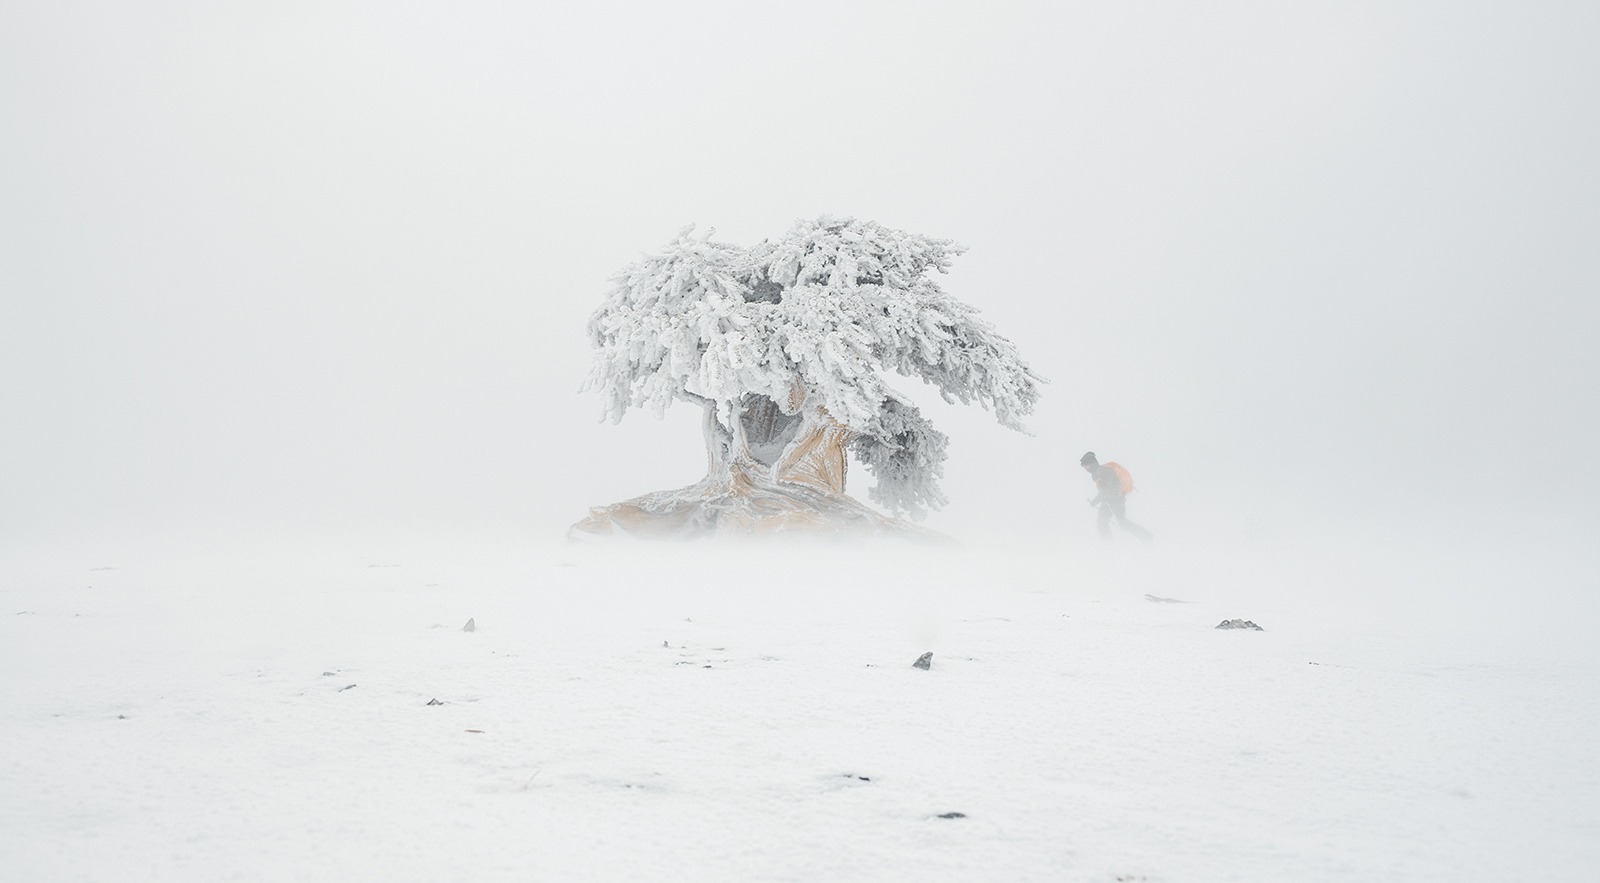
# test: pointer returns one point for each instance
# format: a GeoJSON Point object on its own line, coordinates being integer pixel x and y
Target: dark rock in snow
{"type": "Point", "coordinates": [347, 687]}
{"type": "Point", "coordinates": [434, 702]}
{"type": "Point", "coordinates": [1239, 624]}
{"type": "Point", "coordinates": [327, 674]}
{"type": "Point", "coordinates": [471, 626]}
{"type": "Point", "coordinates": [924, 662]}
{"type": "Point", "coordinates": [951, 815]}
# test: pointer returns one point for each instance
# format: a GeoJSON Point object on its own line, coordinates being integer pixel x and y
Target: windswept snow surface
{"type": "Point", "coordinates": [751, 713]}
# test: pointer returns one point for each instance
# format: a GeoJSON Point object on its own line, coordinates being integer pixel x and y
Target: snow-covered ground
{"type": "Point", "coordinates": [751, 713]}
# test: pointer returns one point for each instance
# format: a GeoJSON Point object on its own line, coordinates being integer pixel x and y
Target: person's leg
{"type": "Point", "coordinates": [1136, 530]}
{"type": "Point", "coordinates": [1105, 521]}
{"type": "Point", "coordinates": [1121, 508]}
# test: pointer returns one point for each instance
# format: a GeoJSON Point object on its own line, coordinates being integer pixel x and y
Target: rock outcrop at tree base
{"type": "Point", "coordinates": [798, 487]}
{"type": "Point", "coordinates": [741, 507]}
{"type": "Point", "coordinates": [782, 346]}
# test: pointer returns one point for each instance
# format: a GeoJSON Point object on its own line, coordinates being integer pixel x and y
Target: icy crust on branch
{"type": "Point", "coordinates": [906, 454]}
{"type": "Point", "coordinates": [810, 321]}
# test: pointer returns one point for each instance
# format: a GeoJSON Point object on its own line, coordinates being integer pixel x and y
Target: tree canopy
{"type": "Point", "coordinates": [810, 320]}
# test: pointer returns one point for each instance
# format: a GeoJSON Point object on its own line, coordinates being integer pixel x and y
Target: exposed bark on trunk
{"type": "Point", "coordinates": [768, 471]}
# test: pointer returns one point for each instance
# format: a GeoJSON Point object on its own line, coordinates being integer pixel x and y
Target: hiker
{"type": "Point", "coordinates": [1114, 485]}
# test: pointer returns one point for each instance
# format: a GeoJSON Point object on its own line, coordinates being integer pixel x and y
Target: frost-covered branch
{"type": "Point", "coordinates": [815, 316]}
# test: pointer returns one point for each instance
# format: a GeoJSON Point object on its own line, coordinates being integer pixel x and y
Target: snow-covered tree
{"type": "Point", "coordinates": [784, 346]}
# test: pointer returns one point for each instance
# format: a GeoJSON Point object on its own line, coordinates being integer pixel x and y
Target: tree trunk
{"type": "Point", "coordinates": [767, 472]}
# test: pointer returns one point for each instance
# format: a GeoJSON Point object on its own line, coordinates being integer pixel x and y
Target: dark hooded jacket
{"type": "Point", "coordinates": [1106, 482]}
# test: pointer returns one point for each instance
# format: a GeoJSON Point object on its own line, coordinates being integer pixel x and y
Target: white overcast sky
{"type": "Point", "coordinates": [326, 265]}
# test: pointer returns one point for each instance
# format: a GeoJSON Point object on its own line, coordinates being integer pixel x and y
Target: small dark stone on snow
{"type": "Point", "coordinates": [347, 687]}
{"type": "Point", "coordinates": [924, 662]}
{"type": "Point", "coordinates": [952, 815]}
{"type": "Point", "coordinates": [471, 626]}
{"type": "Point", "coordinates": [327, 674]}
{"type": "Point", "coordinates": [1239, 624]}
{"type": "Point", "coordinates": [434, 702]}
{"type": "Point", "coordinates": [122, 717]}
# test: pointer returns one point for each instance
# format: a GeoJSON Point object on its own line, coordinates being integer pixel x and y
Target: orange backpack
{"type": "Point", "coordinates": [1122, 476]}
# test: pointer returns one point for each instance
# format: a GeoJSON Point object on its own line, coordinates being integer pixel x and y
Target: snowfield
{"type": "Point", "coordinates": [710, 712]}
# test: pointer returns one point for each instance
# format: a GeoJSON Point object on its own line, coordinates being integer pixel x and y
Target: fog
{"type": "Point", "coordinates": [312, 270]}
{"type": "Point", "coordinates": [292, 328]}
